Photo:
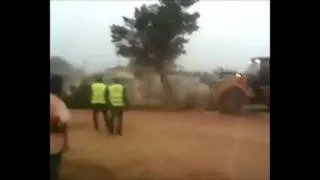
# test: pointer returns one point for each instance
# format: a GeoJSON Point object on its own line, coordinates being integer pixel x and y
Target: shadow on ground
{"type": "Point", "coordinates": [79, 125]}
{"type": "Point", "coordinates": [85, 170]}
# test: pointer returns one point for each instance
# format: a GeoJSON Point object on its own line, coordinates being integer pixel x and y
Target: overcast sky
{"type": "Point", "coordinates": [231, 32]}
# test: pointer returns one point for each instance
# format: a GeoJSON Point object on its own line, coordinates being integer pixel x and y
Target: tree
{"type": "Point", "coordinates": [155, 36]}
{"type": "Point", "coordinates": [58, 65]}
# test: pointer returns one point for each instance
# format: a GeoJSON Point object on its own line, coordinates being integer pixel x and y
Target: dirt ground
{"type": "Point", "coordinates": [170, 145]}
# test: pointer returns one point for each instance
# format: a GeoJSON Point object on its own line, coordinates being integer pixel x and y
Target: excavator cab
{"type": "Point", "coordinates": [251, 87]}
{"type": "Point", "coordinates": [258, 77]}
{"type": "Point", "coordinates": [258, 71]}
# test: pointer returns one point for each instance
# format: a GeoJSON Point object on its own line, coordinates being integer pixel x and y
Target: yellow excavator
{"type": "Point", "coordinates": [233, 92]}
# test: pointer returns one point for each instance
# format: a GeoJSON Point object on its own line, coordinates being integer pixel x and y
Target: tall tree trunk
{"type": "Point", "coordinates": [171, 100]}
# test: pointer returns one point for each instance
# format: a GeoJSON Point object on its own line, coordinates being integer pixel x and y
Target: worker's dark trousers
{"type": "Point", "coordinates": [55, 165]}
{"type": "Point", "coordinates": [116, 113]}
{"type": "Point", "coordinates": [96, 108]}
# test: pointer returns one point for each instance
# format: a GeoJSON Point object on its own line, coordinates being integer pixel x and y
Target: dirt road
{"type": "Point", "coordinates": [170, 145]}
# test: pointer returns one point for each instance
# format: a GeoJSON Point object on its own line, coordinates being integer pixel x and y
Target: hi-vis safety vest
{"type": "Point", "coordinates": [116, 95]}
{"type": "Point", "coordinates": [98, 93]}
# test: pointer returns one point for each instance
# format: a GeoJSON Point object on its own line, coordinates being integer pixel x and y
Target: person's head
{"type": "Point", "coordinates": [115, 80]}
{"type": "Point", "coordinates": [56, 85]}
{"type": "Point", "coordinates": [99, 79]}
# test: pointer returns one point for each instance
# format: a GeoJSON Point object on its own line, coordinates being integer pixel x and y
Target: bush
{"type": "Point", "coordinates": [80, 97]}
{"type": "Point", "coordinates": [189, 102]}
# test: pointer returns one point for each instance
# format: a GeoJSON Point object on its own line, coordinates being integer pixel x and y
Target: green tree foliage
{"type": "Point", "coordinates": [58, 65]}
{"type": "Point", "coordinates": [80, 97]}
{"type": "Point", "coordinates": [156, 36]}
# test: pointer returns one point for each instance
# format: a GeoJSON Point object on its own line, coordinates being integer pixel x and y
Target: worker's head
{"type": "Point", "coordinates": [56, 85]}
{"type": "Point", "coordinates": [99, 79]}
{"type": "Point", "coordinates": [115, 80]}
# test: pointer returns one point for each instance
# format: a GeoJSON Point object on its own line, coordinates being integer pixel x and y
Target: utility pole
{"type": "Point", "coordinates": [119, 61]}
{"type": "Point", "coordinates": [84, 64]}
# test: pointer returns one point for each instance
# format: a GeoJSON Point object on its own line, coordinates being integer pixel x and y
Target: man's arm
{"type": "Point", "coordinates": [90, 93]}
{"type": "Point", "coordinates": [62, 114]}
{"type": "Point", "coordinates": [58, 110]}
{"type": "Point", "coordinates": [125, 99]}
{"type": "Point", "coordinates": [106, 95]}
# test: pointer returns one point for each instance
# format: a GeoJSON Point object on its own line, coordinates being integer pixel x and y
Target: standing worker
{"type": "Point", "coordinates": [59, 117]}
{"type": "Point", "coordinates": [98, 102]}
{"type": "Point", "coordinates": [118, 101]}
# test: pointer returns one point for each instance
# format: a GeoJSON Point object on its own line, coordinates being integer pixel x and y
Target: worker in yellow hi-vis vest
{"type": "Point", "coordinates": [118, 101]}
{"type": "Point", "coordinates": [99, 102]}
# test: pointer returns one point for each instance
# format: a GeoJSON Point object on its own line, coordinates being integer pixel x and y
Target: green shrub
{"type": "Point", "coordinates": [79, 98]}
